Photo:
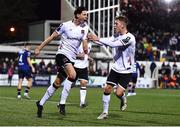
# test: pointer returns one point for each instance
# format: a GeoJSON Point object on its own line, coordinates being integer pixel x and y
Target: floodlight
{"type": "Point", "coordinates": [168, 1]}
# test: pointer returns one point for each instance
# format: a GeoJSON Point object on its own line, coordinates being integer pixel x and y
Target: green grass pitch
{"type": "Point", "coordinates": [150, 107]}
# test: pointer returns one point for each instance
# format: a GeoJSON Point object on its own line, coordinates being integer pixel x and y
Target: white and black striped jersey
{"type": "Point", "coordinates": [71, 38]}
{"type": "Point", "coordinates": [83, 63]}
{"type": "Point", "coordinates": [123, 51]}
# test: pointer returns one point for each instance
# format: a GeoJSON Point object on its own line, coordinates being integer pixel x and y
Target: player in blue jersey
{"type": "Point", "coordinates": [25, 69]}
{"type": "Point", "coordinates": [132, 83]}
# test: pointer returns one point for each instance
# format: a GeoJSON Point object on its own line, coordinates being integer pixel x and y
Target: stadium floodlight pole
{"type": "Point", "coordinates": [168, 2]}
{"type": "Point", "coordinates": [118, 12]}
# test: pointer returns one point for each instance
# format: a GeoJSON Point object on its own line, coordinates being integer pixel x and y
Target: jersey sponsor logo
{"type": "Point", "coordinates": [73, 38]}
{"type": "Point", "coordinates": [126, 40]}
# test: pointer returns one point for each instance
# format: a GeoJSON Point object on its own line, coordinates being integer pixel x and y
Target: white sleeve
{"type": "Point", "coordinates": [115, 43]}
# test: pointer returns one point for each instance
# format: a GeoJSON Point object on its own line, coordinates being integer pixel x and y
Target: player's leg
{"type": "Point", "coordinates": [28, 76]}
{"type": "Point", "coordinates": [134, 80]}
{"type": "Point", "coordinates": [71, 78]}
{"type": "Point", "coordinates": [49, 93]}
{"type": "Point", "coordinates": [120, 92]}
{"type": "Point", "coordinates": [130, 85]}
{"type": "Point", "coordinates": [112, 80]}
{"type": "Point", "coordinates": [83, 92]}
{"type": "Point", "coordinates": [20, 80]}
{"type": "Point", "coordinates": [29, 85]}
{"type": "Point", "coordinates": [133, 89]}
{"type": "Point", "coordinates": [106, 100]}
{"type": "Point", "coordinates": [19, 87]}
{"type": "Point", "coordinates": [83, 78]}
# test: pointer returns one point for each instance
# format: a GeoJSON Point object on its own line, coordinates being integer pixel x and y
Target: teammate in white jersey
{"type": "Point", "coordinates": [123, 44]}
{"type": "Point", "coordinates": [81, 67]}
{"type": "Point", "coordinates": [72, 33]}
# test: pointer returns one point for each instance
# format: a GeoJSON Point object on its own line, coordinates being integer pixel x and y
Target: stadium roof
{"type": "Point", "coordinates": [4, 48]}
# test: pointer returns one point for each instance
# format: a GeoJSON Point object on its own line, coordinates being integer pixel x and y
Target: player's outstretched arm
{"type": "Point", "coordinates": [45, 42]}
{"type": "Point", "coordinates": [85, 46]}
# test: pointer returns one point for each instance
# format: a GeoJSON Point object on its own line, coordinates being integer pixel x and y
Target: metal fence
{"type": "Point", "coordinates": [101, 14]}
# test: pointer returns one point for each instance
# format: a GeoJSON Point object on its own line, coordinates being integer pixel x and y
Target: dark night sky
{"type": "Point", "coordinates": [20, 13]}
{"type": "Point", "coordinates": [48, 9]}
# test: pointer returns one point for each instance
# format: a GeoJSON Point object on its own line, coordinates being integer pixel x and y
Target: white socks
{"type": "Point", "coordinates": [83, 92]}
{"type": "Point", "coordinates": [65, 91]}
{"type": "Point", "coordinates": [49, 92]}
{"type": "Point", "coordinates": [106, 100]}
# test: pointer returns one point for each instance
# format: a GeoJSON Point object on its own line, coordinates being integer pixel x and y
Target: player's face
{"type": "Point", "coordinates": [83, 16]}
{"type": "Point", "coordinates": [28, 47]}
{"type": "Point", "coordinates": [118, 26]}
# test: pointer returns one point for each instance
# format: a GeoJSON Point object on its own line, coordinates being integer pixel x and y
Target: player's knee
{"type": "Point", "coordinates": [72, 77]}
{"type": "Point", "coordinates": [83, 83]}
{"type": "Point", "coordinates": [119, 94]}
{"type": "Point", "coordinates": [56, 85]}
{"type": "Point", "coordinates": [108, 89]}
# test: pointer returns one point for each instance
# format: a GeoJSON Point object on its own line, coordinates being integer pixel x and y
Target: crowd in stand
{"type": "Point", "coordinates": [41, 67]}
{"type": "Point", "coordinates": [169, 77]}
{"type": "Point", "coordinates": [154, 25]}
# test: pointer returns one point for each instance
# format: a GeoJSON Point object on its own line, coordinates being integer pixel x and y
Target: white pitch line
{"type": "Point", "coordinates": [32, 100]}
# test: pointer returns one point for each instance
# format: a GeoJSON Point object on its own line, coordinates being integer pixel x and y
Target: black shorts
{"type": "Point", "coordinates": [115, 78]}
{"type": "Point", "coordinates": [24, 73]}
{"type": "Point", "coordinates": [81, 73]}
{"type": "Point", "coordinates": [61, 62]}
{"type": "Point", "coordinates": [134, 78]}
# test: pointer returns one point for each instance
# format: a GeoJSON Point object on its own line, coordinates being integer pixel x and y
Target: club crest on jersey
{"type": "Point", "coordinates": [82, 31]}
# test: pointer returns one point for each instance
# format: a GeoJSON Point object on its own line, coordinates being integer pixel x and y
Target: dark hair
{"type": "Point", "coordinates": [122, 18]}
{"type": "Point", "coordinates": [26, 44]}
{"type": "Point", "coordinates": [79, 10]}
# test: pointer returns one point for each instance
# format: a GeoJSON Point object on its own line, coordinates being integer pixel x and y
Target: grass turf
{"type": "Point", "coordinates": [150, 107]}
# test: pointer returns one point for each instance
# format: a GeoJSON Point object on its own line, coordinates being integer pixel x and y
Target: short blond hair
{"type": "Point", "coordinates": [122, 18]}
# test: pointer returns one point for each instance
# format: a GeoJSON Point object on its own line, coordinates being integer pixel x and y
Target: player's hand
{"type": "Point", "coordinates": [92, 37]}
{"type": "Point", "coordinates": [37, 51]}
{"type": "Point", "coordinates": [33, 70]}
{"type": "Point", "coordinates": [91, 60]}
{"type": "Point", "coordinates": [80, 56]}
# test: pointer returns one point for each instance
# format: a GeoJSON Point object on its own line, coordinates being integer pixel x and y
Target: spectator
{"type": "Point", "coordinates": [42, 63]}
{"type": "Point", "coordinates": [152, 67]}
{"type": "Point", "coordinates": [142, 70]}
{"type": "Point", "coordinates": [165, 81]}
{"type": "Point", "coordinates": [10, 74]}
{"type": "Point", "coordinates": [4, 68]}
{"type": "Point", "coordinates": [173, 41]}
